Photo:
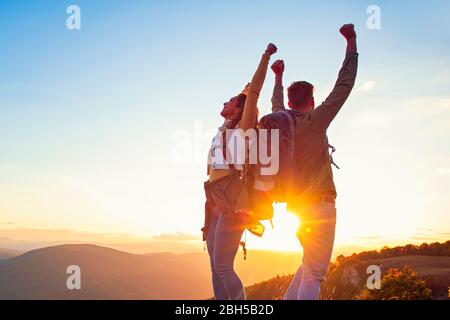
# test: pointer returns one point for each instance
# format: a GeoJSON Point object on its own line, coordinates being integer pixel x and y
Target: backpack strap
{"type": "Point", "coordinates": [243, 244]}
{"type": "Point", "coordinates": [291, 128]}
{"type": "Point", "coordinates": [333, 150]}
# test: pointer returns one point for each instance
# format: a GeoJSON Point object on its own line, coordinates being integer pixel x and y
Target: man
{"type": "Point", "coordinates": [313, 192]}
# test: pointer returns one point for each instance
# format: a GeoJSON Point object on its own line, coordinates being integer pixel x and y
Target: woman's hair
{"type": "Point", "coordinates": [241, 98]}
{"type": "Point", "coordinates": [241, 101]}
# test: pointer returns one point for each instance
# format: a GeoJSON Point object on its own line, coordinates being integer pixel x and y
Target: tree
{"type": "Point", "coordinates": [398, 285]}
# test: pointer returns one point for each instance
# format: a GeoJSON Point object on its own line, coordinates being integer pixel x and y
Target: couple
{"type": "Point", "coordinates": [314, 193]}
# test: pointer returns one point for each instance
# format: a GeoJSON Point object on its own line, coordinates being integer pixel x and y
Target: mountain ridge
{"type": "Point", "coordinates": [113, 274]}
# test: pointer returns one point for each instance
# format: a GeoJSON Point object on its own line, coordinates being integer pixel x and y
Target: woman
{"type": "Point", "coordinates": [225, 216]}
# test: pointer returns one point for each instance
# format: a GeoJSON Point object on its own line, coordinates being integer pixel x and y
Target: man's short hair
{"type": "Point", "coordinates": [300, 92]}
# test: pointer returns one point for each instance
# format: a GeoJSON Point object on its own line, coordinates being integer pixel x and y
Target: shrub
{"type": "Point", "coordinates": [398, 285]}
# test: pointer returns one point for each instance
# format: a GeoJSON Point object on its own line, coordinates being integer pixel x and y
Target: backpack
{"type": "Point", "coordinates": [284, 122]}
{"type": "Point", "coordinates": [262, 190]}
{"type": "Point", "coordinates": [280, 187]}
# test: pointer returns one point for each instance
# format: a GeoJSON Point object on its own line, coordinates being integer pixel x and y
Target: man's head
{"type": "Point", "coordinates": [301, 96]}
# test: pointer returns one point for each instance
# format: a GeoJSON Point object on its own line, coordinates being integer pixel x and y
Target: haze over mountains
{"type": "Point", "coordinates": [120, 266]}
{"type": "Point", "coordinates": [111, 274]}
{"type": "Point", "coordinates": [29, 239]}
{"type": "Point", "coordinates": [9, 253]}
{"type": "Point", "coordinates": [33, 265]}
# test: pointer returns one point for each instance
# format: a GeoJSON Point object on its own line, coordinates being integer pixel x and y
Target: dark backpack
{"type": "Point", "coordinates": [286, 180]}
{"type": "Point", "coordinates": [263, 191]}
{"type": "Point", "coordinates": [284, 122]}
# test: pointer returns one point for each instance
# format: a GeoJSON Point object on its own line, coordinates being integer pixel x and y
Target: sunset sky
{"type": "Point", "coordinates": [90, 119]}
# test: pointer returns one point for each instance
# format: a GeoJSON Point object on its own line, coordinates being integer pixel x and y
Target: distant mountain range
{"type": "Point", "coordinates": [30, 239]}
{"type": "Point", "coordinates": [9, 253]}
{"type": "Point", "coordinates": [111, 274]}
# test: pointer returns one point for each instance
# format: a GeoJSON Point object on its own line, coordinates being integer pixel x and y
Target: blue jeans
{"type": "Point", "coordinates": [316, 235]}
{"type": "Point", "coordinates": [223, 239]}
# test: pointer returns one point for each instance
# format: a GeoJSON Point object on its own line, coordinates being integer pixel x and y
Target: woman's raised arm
{"type": "Point", "coordinates": [249, 114]}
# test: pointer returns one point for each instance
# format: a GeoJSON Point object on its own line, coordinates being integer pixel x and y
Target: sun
{"type": "Point", "coordinates": [282, 237]}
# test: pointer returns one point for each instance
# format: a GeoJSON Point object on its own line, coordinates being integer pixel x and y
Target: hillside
{"type": "Point", "coordinates": [347, 276]}
{"type": "Point", "coordinates": [113, 274]}
{"type": "Point", "coordinates": [106, 274]}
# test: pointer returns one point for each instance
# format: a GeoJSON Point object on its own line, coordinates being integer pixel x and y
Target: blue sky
{"type": "Point", "coordinates": [87, 117]}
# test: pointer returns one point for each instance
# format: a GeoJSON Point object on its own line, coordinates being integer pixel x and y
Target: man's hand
{"type": "Point", "coordinates": [271, 49]}
{"type": "Point", "coordinates": [348, 31]}
{"type": "Point", "coordinates": [278, 67]}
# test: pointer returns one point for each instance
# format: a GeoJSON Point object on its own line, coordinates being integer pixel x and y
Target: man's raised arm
{"type": "Point", "coordinates": [327, 111]}
{"type": "Point", "coordinates": [277, 96]}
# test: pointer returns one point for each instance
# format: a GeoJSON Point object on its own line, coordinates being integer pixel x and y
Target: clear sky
{"type": "Point", "coordinates": [89, 119]}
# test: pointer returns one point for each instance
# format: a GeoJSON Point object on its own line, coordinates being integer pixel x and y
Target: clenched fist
{"type": "Point", "coordinates": [271, 49]}
{"type": "Point", "coordinates": [278, 67]}
{"type": "Point", "coordinates": [348, 31]}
